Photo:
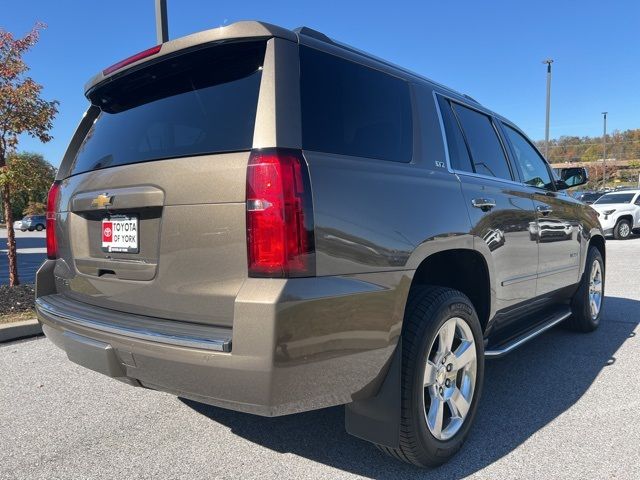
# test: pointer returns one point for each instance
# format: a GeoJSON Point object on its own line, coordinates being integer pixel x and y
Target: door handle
{"type": "Point", "coordinates": [544, 209]}
{"type": "Point", "coordinates": [484, 204]}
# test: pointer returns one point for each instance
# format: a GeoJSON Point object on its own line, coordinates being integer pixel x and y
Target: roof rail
{"type": "Point", "coordinates": [469, 97]}
{"type": "Point", "coordinates": [310, 32]}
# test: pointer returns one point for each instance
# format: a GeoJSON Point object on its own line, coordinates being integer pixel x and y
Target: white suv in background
{"type": "Point", "coordinates": [619, 213]}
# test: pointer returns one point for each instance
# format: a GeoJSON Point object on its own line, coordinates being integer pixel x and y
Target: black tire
{"type": "Point", "coordinates": [427, 310]}
{"type": "Point", "coordinates": [582, 319]}
{"type": "Point", "coordinates": [23, 229]}
{"type": "Point", "coordinates": [39, 227]}
{"type": "Point", "coordinates": [622, 230]}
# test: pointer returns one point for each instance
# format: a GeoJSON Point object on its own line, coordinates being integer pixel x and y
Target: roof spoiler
{"type": "Point", "coordinates": [238, 30]}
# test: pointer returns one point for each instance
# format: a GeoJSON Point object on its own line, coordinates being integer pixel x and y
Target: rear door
{"type": "Point", "coordinates": [152, 212]}
{"type": "Point", "coordinates": [501, 210]}
{"type": "Point", "coordinates": [557, 217]}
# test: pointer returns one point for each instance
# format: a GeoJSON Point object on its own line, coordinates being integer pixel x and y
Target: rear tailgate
{"type": "Point", "coordinates": [152, 217]}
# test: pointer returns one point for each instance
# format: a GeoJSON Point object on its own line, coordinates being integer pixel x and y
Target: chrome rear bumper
{"type": "Point", "coordinates": [65, 311]}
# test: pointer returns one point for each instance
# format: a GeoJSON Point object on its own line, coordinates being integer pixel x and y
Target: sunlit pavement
{"type": "Point", "coordinates": [563, 406]}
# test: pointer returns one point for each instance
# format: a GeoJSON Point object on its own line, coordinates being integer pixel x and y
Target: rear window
{"type": "Point", "coordinates": [196, 103]}
{"type": "Point", "coordinates": [351, 109]}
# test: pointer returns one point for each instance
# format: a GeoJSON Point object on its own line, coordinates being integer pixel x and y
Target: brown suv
{"type": "Point", "coordinates": [270, 221]}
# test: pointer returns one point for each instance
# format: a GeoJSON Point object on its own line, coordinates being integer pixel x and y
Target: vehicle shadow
{"type": "Point", "coordinates": [25, 242]}
{"type": "Point", "coordinates": [516, 404]}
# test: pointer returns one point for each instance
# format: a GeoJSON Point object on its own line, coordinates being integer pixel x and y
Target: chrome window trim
{"type": "Point", "coordinates": [443, 133]}
{"type": "Point", "coordinates": [446, 143]}
{"type": "Point", "coordinates": [506, 148]}
{"type": "Point", "coordinates": [489, 177]}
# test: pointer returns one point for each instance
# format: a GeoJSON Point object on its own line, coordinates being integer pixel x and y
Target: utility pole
{"type": "Point", "coordinates": [604, 150]}
{"type": "Point", "coordinates": [162, 25]}
{"type": "Point", "coordinates": [548, 61]}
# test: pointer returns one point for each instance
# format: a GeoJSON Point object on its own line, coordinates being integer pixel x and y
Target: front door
{"type": "Point", "coordinates": [557, 217]}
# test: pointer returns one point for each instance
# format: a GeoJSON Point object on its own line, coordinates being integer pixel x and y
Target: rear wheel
{"type": "Point", "coordinates": [442, 375]}
{"type": "Point", "coordinates": [587, 302]}
{"type": "Point", "coordinates": [39, 228]}
{"type": "Point", "coordinates": [622, 230]}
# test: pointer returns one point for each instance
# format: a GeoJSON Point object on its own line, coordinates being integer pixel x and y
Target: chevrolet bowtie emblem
{"type": "Point", "coordinates": [102, 201]}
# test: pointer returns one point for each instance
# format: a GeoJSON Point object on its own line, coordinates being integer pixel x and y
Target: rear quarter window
{"type": "Point", "coordinates": [195, 103]}
{"type": "Point", "coordinates": [351, 109]}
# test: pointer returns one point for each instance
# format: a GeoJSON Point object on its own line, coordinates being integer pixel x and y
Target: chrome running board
{"type": "Point", "coordinates": [503, 349]}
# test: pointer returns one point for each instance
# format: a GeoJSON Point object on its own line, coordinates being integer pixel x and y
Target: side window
{"type": "Point", "coordinates": [458, 153]}
{"type": "Point", "coordinates": [486, 150]}
{"type": "Point", "coordinates": [532, 167]}
{"type": "Point", "coordinates": [637, 202]}
{"type": "Point", "coordinates": [351, 109]}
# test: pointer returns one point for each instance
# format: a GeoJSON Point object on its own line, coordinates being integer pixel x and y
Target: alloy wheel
{"type": "Point", "coordinates": [595, 289]}
{"type": "Point", "coordinates": [624, 230]}
{"type": "Point", "coordinates": [449, 378]}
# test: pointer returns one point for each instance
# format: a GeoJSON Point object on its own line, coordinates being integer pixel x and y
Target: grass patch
{"type": "Point", "coordinates": [17, 317]}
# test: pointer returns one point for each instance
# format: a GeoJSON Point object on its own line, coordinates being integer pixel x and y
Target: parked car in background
{"type": "Point", "coordinates": [34, 222]}
{"type": "Point", "coordinates": [17, 225]}
{"type": "Point", "coordinates": [619, 213]}
{"type": "Point", "coordinates": [588, 197]}
{"type": "Point", "coordinates": [270, 221]}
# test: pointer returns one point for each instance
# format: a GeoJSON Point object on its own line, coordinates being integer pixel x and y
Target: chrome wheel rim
{"type": "Point", "coordinates": [624, 230]}
{"type": "Point", "coordinates": [449, 378]}
{"type": "Point", "coordinates": [595, 289]}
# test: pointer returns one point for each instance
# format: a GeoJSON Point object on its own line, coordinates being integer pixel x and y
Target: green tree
{"type": "Point", "coordinates": [30, 176]}
{"type": "Point", "coordinates": [35, 208]}
{"type": "Point", "coordinates": [22, 111]}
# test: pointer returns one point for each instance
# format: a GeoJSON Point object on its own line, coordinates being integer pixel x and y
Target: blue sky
{"type": "Point", "coordinates": [491, 50]}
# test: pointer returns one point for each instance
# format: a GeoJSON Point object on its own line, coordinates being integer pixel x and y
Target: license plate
{"type": "Point", "coordinates": [120, 234]}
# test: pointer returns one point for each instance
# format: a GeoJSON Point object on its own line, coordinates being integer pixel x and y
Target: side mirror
{"type": "Point", "coordinates": [571, 177]}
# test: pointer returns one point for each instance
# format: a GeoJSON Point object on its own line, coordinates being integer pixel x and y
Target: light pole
{"type": "Point", "coordinates": [162, 24]}
{"type": "Point", "coordinates": [548, 61]}
{"type": "Point", "coordinates": [604, 150]}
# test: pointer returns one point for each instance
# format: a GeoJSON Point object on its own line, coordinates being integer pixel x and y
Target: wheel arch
{"type": "Point", "coordinates": [626, 216]}
{"type": "Point", "coordinates": [463, 269]}
{"type": "Point", "coordinates": [598, 241]}
{"type": "Point", "coordinates": [376, 417]}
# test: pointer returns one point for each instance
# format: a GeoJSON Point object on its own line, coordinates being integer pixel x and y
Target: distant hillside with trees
{"type": "Point", "coordinates": [620, 146]}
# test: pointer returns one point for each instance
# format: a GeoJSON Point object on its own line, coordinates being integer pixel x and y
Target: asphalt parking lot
{"type": "Point", "coordinates": [563, 406]}
{"type": "Point", "coordinates": [32, 251]}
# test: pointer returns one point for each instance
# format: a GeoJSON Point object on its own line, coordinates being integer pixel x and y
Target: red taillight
{"type": "Point", "coordinates": [131, 59]}
{"type": "Point", "coordinates": [52, 200]}
{"type": "Point", "coordinates": [279, 215]}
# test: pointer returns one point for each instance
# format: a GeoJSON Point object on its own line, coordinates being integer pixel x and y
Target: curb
{"type": "Point", "coordinates": [17, 330]}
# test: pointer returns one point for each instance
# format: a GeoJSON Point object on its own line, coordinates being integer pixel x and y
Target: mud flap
{"type": "Point", "coordinates": [377, 418]}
